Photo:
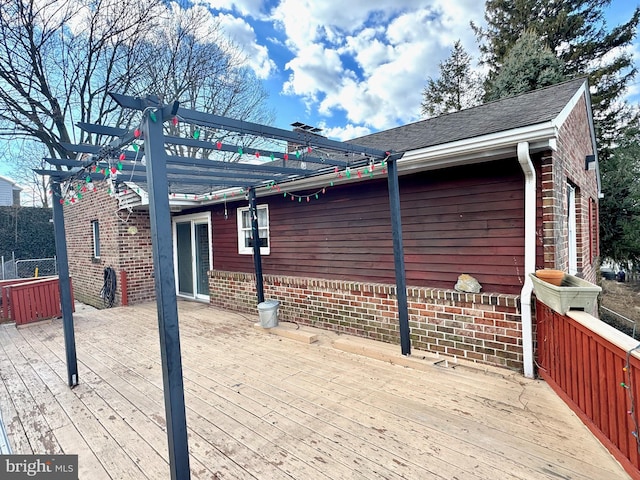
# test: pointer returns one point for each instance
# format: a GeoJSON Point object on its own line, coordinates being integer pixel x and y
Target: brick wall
{"type": "Point", "coordinates": [136, 256]}
{"type": "Point", "coordinates": [567, 164]}
{"type": "Point", "coordinates": [483, 328]}
{"type": "Point", "coordinates": [125, 245]}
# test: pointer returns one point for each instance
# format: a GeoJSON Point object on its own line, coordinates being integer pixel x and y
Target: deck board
{"type": "Point", "coordinates": [261, 406]}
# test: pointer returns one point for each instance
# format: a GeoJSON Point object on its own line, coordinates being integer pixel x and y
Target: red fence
{"type": "Point", "coordinates": [596, 370]}
{"type": "Point", "coordinates": [27, 300]}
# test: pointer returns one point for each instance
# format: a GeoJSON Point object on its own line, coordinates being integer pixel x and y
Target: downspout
{"type": "Point", "coordinates": [529, 255]}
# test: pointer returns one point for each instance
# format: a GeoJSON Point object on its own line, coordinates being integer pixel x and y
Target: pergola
{"type": "Point", "coordinates": [164, 168]}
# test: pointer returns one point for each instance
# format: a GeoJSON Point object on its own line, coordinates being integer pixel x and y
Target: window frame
{"type": "Point", "coordinates": [242, 248]}
{"type": "Point", "coordinates": [572, 229]}
{"type": "Point", "coordinates": [95, 235]}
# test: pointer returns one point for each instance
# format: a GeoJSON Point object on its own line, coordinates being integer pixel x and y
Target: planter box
{"type": "Point", "coordinates": [574, 294]}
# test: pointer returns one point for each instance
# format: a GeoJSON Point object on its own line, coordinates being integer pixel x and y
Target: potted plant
{"type": "Point", "coordinates": [570, 292]}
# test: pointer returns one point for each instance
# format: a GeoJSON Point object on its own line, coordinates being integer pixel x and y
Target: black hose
{"type": "Point", "coordinates": [108, 292]}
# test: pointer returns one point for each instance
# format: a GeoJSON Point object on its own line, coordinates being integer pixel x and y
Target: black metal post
{"type": "Point", "coordinates": [66, 301]}
{"type": "Point", "coordinates": [255, 234]}
{"type": "Point", "coordinates": [398, 256]}
{"type": "Point", "coordinates": [166, 299]}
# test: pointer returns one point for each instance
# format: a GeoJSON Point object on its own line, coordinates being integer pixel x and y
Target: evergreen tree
{"type": "Point", "coordinates": [528, 65]}
{"type": "Point", "coordinates": [458, 86]}
{"type": "Point", "coordinates": [620, 207]}
{"type": "Point", "coordinates": [576, 31]}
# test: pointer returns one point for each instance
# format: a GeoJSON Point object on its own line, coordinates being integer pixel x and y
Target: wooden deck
{"type": "Point", "coordinates": [261, 406]}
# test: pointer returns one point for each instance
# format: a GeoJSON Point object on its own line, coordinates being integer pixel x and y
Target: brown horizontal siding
{"type": "Point", "coordinates": [461, 220]}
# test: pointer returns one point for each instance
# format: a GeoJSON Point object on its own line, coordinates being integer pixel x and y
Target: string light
{"type": "Point", "coordinates": [111, 171]}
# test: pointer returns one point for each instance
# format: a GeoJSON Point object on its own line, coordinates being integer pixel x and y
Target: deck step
{"type": "Point", "coordinates": [290, 331]}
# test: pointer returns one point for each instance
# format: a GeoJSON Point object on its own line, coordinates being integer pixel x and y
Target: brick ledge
{"type": "Point", "coordinates": [414, 293]}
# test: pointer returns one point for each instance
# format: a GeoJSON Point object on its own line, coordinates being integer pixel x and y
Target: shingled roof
{"type": "Point", "coordinates": [537, 106]}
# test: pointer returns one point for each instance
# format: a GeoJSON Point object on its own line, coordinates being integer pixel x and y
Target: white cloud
{"type": "Point", "coordinates": [243, 34]}
{"type": "Point", "coordinates": [368, 59]}
{"type": "Point", "coordinates": [244, 7]}
{"type": "Point", "coordinates": [315, 71]}
{"type": "Point", "coordinates": [347, 132]}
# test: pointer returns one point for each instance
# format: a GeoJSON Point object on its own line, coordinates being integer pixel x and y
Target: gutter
{"type": "Point", "coordinates": [529, 255]}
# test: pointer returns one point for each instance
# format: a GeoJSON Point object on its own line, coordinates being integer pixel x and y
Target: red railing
{"type": "Point", "coordinates": [5, 310]}
{"type": "Point", "coordinates": [596, 370]}
{"type": "Point", "coordinates": [27, 300]}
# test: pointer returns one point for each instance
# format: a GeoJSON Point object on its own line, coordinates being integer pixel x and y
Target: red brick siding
{"type": "Point", "coordinates": [120, 248]}
{"type": "Point", "coordinates": [484, 328]}
{"type": "Point", "coordinates": [568, 165]}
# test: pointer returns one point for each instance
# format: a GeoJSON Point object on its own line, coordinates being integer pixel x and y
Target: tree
{"type": "Point", "coordinates": [35, 187]}
{"type": "Point", "coordinates": [57, 61]}
{"type": "Point", "coordinates": [458, 86]}
{"type": "Point", "coordinates": [210, 76]}
{"type": "Point", "coordinates": [59, 58]}
{"type": "Point", "coordinates": [528, 65]}
{"type": "Point", "coordinates": [620, 207]}
{"type": "Point", "coordinates": [576, 31]}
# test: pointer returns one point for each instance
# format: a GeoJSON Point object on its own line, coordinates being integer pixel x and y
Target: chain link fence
{"type": "Point", "coordinates": [27, 268]}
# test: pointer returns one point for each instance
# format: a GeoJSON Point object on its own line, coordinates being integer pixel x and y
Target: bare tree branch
{"type": "Point", "coordinates": [60, 58]}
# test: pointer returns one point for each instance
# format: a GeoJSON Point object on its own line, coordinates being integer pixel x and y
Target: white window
{"type": "Point", "coordinates": [245, 240]}
{"type": "Point", "coordinates": [572, 230]}
{"type": "Point", "coordinates": [95, 227]}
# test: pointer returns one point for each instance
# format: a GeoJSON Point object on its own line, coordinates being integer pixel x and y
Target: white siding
{"type": "Point", "coordinates": [6, 193]}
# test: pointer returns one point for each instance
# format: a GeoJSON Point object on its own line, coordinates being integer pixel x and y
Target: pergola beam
{"type": "Point", "coordinates": [225, 147]}
{"type": "Point", "coordinates": [179, 179]}
{"type": "Point", "coordinates": [60, 175]}
{"type": "Point", "coordinates": [101, 129]}
{"type": "Point", "coordinates": [258, 176]}
{"type": "Point", "coordinates": [249, 128]}
{"type": "Point", "coordinates": [235, 166]}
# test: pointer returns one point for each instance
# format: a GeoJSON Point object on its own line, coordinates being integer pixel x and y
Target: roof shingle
{"type": "Point", "coordinates": [537, 106]}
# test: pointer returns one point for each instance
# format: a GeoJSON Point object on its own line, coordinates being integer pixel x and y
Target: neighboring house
{"type": "Point", "coordinates": [492, 191]}
{"type": "Point", "coordinates": [9, 192]}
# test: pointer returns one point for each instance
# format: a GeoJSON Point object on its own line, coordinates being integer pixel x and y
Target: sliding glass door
{"type": "Point", "coordinates": [192, 255]}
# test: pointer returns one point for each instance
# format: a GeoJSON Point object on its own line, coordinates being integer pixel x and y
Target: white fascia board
{"type": "Point", "coordinates": [581, 93]}
{"type": "Point", "coordinates": [479, 149]}
{"type": "Point", "coordinates": [485, 144]}
{"type": "Point", "coordinates": [568, 108]}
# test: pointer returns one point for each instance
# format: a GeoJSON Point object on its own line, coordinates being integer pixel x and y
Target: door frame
{"type": "Point", "coordinates": [194, 218]}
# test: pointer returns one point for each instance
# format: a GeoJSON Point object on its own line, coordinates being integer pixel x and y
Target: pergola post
{"type": "Point", "coordinates": [255, 234]}
{"type": "Point", "coordinates": [398, 256]}
{"type": "Point", "coordinates": [166, 298]}
{"type": "Point", "coordinates": [66, 301]}
{"type": "Point", "coordinates": [161, 169]}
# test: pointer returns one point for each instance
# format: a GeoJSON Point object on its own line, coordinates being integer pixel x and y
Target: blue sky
{"type": "Point", "coordinates": [354, 67]}
{"type": "Point", "coordinates": [357, 66]}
